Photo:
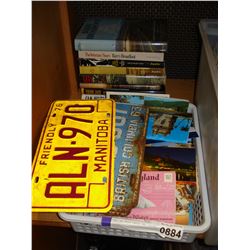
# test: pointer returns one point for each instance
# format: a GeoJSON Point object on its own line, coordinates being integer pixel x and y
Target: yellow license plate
{"type": "Point", "coordinates": [73, 168]}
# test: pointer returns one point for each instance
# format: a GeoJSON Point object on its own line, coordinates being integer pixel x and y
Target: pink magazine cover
{"type": "Point", "coordinates": [157, 199]}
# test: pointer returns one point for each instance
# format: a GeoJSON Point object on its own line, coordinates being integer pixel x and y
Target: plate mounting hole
{"type": "Point", "coordinates": [37, 179]}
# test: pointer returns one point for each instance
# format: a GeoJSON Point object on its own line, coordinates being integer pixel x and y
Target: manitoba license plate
{"type": "Point", "coordinates": [73, 169]}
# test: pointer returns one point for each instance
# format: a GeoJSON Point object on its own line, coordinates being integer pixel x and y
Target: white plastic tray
{"type": "Point", "coordinates": [134, 228]}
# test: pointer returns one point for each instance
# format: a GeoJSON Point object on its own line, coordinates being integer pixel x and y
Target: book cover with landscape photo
{"type": "Point", "coordinates": [180, 160]}
{"type": "Point", "coordinates": [118, 34]}
{"type": "Point", "coordinates": [169, 127]}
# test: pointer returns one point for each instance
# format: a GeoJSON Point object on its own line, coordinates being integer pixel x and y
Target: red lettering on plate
{"type": "Point", "coordinates": [70, 155]}
{"type": "Point", "coordinates": [72, 194]}
{"type": "Point", "coordinates": [47, 146]}
{"type": "Point", "coordinates": [48, 140]}
{"type": "Point", "coordinates": [101, 158]}
{"type": "Point", "coordinates": [83, 174]}
{"type": "Point", "coordinates": [102, 134]}
{"type": "Point", "coordinates": [70, 108]}
{"type": "Point", "coordinates": [101, 150]}
{"type": "Point", "coordinates": [99, 167]}
{"type": "Point", "coordinates": [45, 156]}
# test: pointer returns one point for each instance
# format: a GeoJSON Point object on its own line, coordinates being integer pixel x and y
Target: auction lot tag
{"type": "Point", "coordinates": [170, 231]}
{"type": "Point", "coordinates": [73, 168]}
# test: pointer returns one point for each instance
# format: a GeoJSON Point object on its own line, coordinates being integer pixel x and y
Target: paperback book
{"type": "Point", "coordinates": [112, 70]}
{"type": "Point", "coordinates": [92, 97]}
{"type": "Point", "coordinates": [120, 63]}
{"type": "Point", "coordinates": [122, 55]}
{"type": "Point", "coordinates": [122, 87]}
{"type": "Point", "coordinates": [103, 91]}
{"type": "Point", "coordinates": [122, 79]}
{"type": "Point", "coordinates": [119, 34]}
{"type": "Point", "coordinates": [157, 199]}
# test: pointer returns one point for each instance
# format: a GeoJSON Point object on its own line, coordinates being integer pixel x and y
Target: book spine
{"type": "Point", "coordinates": [120, 63]}
{"type": "Point", "coordinates": [120, 55]}
{"type": "Point", "coordinates": [148, 46]}
{"type": "Point", "coordinates": [118, 45]}
{"type": "Point", "coordinates": [101, 91]}
{"type": "Point", "coordinates": [91, 91]}
{"type": "Point", "coordinates": [122, 70]}
{"type": "Point", "coordinates": [96, 44]}
{"type": "Point", "coordinates": [92, 96]}
{"type": "Point", "coordinates": [121, 86]}
{"type": "Point", "coordinates": [125, 79]}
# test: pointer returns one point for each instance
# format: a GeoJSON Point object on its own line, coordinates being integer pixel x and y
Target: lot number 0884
{"type": "Point", "coordinates": [173, 233]}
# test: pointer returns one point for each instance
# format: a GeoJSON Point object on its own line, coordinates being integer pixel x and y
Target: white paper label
{"type": "Point", "coordinates": [92, 97]}
{"type": "Point", "coordinates": [170, 231]}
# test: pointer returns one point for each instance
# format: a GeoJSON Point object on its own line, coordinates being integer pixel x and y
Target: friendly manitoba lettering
{"type": "Point", "coordinates": [101, 148]}
{"type": "Point", "coordinates": [47, 145]}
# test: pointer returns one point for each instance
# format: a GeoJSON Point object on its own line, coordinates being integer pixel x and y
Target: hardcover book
{"type": "Point", "coordinates": [153, 57]}
{"type": "Point", "coordinates": [169, 127]}
{"type": "Point", "coordinates": [123, 79]}
{"type": "Point", "coordinates": [122, 87]}
{"type": "Point", "coordinates": [118, 34]}
{"type": "Point", "coordinates": [180, 160]}
{"type": "Point", "coordinates": [136, 71]}
{"type": "Point", "coordinates": [101, 91]}
{"type": "Point", "coordinates": [157, 199]}
{"type": "Point", "coordinates": [120, 63]}
{"type": "Point", "coordinates": [92, 97]}
{"type": "Point", "coordinates": [131, 123]}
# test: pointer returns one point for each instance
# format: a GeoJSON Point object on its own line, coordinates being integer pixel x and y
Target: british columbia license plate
{"type": "Point", "coordinates": [73, 168]}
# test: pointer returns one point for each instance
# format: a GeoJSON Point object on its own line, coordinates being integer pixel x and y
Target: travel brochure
{"type": "Point", "coordinates": [157, 199]}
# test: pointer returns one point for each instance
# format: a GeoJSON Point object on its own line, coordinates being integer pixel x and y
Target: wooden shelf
{"type": "Point", "coordinates": [53, 70]}
{"type": "Point", "coordinates": [181, 88]}
{"type": "Point", "coordinates": [48, 219]}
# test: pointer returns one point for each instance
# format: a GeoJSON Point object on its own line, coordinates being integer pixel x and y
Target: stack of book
{"type": "Point", "coordinates": [121, 54]}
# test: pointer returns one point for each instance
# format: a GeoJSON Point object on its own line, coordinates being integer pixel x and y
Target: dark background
{"type": "Point", "coordinates": [182, 32]}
